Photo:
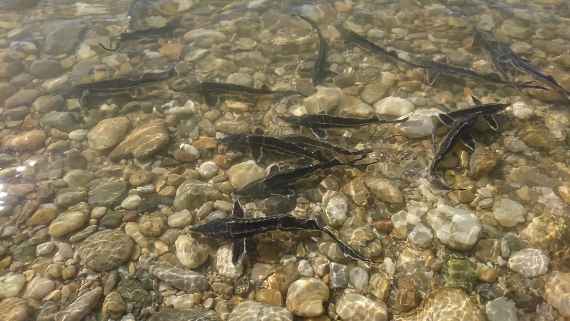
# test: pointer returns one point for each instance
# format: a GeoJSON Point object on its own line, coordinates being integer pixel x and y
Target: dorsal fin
{"type": "Point", "coordinates": [476, 100]}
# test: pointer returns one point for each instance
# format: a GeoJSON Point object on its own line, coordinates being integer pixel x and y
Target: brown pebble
{"type": "Point", "coordinates": [205, 143]}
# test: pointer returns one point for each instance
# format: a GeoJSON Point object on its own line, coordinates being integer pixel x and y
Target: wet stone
{"type": "Point", "coordinates": [545, 231]}
{"type": "Point", "coordinates": [192, 194]}
{"type": "Point", "coordinates": [64, 37]}
{"type": "Point", "coordinates": [255, 311]}
{"type": "Point", "coordinates": [186, 315]}
{"type": "Point", "coordinates": [339, 275]}
{"type": "Point", "coordinates": [67, 223]}
{"type": "Point", "coordinates": [39, 287]}
{"type": "Point", "coordinates": [456, 227]}
{"type": "Point", "coordinates": [191, 252]}
{"type": "Point", "coordinates": [529, 262]}
{"type": "Point", "coordinates": [182, 279]}
{"type": "Point", "coordinates": [11, 284]}
{"type": "Point", "coordinates": [64, 121]}
{"type": "Point", "coordinates": [508, 212]}
{"type": "Point", "coordinates": [421, 235]}
{"type": "Point", "coordinates": [43, 215]}
{"type": "Point", "coordinates": [106, 250]}
{"type": "Point", "coordinates": [244, 173]}
{"type": "Point", "coordinates": [352, 306]}
{"type": "Point", "coordinates": [82, 306]}
{"type": "Point", "coordinates": [394, 106]}
{"type": "Point", "coordinates": [78, 178]}
{"type": "Point", "coordinates": [501, 309]}
{"type": "Point", "coordinates": [45, 249]}
{"type": "Point", "coordinates": [27, 141]}
{"type": "Point", "coordinates": [375, 90]}
{"type": "Point", "coordinates": [335, 208]}
{"type": "Point", "coordinates": [305, 297]}
{"type": "Point", "coordinates": [131, 202]}
{"type": "Point", "coordinates": [143, 142]}
{"type": "Point", "coordinates": [113, 306]}
{"type": "Point", "coordinates": [324, 100]}
{"type": "Point", "coordinates": [45, 68]}
{"type": "Point", "coordinates": [208, 169]}
{"type": "Point", "coordinates": [108, 133]}
{"type": "Point", "coordinates": [180, 219]}
{"type": "Point", "coordinates": [446, 304]}
{"type": "Point", "coordinates": [384, 190]}
{"type": "Point", "coordinates": [106, 192]}
{"type": "Point", "coordinates": [358, 278]}
{"type": "Point", "coordinates": [45, 104]}
{"type": "Point", "coordinates": [482, 162]}
{"type": "Point", "coordinates": [557, 292]}
{"type": "Point", "coordinates": [15, 309]}
{"type": "Point", "coordinates": [23, 97]}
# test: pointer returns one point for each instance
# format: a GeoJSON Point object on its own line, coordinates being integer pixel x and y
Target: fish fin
{"type": "Point", "coordinates": [445, 119]}
{"type": "Point", "coordinates": [239, 249]}
{"type": "Point", "coordinates": [238, 210]}
{"type": "Point", "coordinates": [469, 142]}
{"type": "Point", "coordinates": [492, 122]}
{"type": "Point", "coordinates": [257, 153]}
{"type": "Point", "coordinates": [319, 133]}
{"type": "Point", "coordinates": [476, 100]}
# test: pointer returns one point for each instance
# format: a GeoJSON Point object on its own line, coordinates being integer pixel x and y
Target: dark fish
{"type": "Point", "coordinates": [321, 69]}
{"type": "Point", "coordinates": [487, 111]}
{"type": "Point", "coordinates": [118, 85]}
{"type": "Point", "coordinates": [319, 122]}
{"type": "Point", "coordinates": [460, 130]}
{"type": "Point", "coordinates": [260, 143]}
{"type": "Point", "coordinates": [166, 31]}
{"type": "Point", "coordinates": [213, 91]}
{"type": "Point", "coordinates": [240, 230]}
{"type": "Point", "coordinates": [286, 182]}
{"type": "Point", "coordinates": [366, 44]}
{"type": "Point", "coordinates": [509, 64]}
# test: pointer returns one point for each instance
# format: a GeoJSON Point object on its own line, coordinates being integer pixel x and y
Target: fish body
{"type": "Point", "coordinates": [321, 68]}
{"type": "Point", "coordinates": [166, 31]}
{"type": "Point", "coordinates": [212, 91]}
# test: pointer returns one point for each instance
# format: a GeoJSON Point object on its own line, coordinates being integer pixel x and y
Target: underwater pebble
{"type": "Point", "coordinates": [421, 235]}
{"type": "Point", "coordinates": [358, 277]}
{"type": "Point", "coordinates": [456, 227]}
{"type": "Point", "coordinates": [353, 307]}
{"type": "Point", "coordinates": [244, 173]}
{"type": "Point", "coordinates": [191, 252]}
{"type": "Point", "coordinates": [394, 106]}
{"type": "Point", "coordinates": [305, 269]}
{"type": "Point", "coordinates": [508, 213]}
{"type": "Point", "coordinates": [131, 202]}
{"type": "Point", "coordinates": [529, 262]}
{"type": "Point", "coordinates": [180, 219]}
{"type": "Point", "coordinates": [522, 111]}
{"type": "Point", "coordinates": [68, 222]}
{"type": "Point", "coordinates": [335, 208]}
{"type": "Point", "coordinates": [419, 123]}
{"type": "Point", "coordinates": [208, 169]}
{"type": "Point", "coordinates": [448, 304]}
{"type": "Point", "coordinates": [339, 275]}
{"type": "Point", "coordinates": [324, 100]}
{"type": "Point", "coordinates": [557, 292]}
{"type": "Point", "coordinates": [81, 307]}
{"type": "Point", "coordinates": [108, 133]}
{"type": "Point", "coordinates": [182, 279]}
{"type": "Point", "coordinates": [501, 309]}
{"type": "Point", "coordinates": [305, 297]}
{"type": "Point", "coordinates": [39, 287]}
{"type": "Point", "coordinates": [106, 250]}
{"type": "Point", "coordinates": [255, 311]}
{"type": "Point", "coordinates": [384, 190]}
{"type": "Point", "coordinates": [224, 264]}
{"type": "Point", "coordinates": [11, 284]}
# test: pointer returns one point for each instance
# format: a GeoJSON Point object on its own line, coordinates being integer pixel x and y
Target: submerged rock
{"type": "Point", "coordinates": [529, 262]}
{"type": "Point", "coordinates": [255, 311]}
{"type": "Point", "coordinates": [557, 292]}
{"type": "Point", "coordinates": [106, 250]}
{"type": "Point", "coordinates": [456, 227]}
{"type": "Point", "coordinates": [305, 297]}
{"type": "Point", "coordinates": [352, 307]}
{"type": "Point", "coordinates": [79, 308]}
{"type": "Point", "coordinates": [446, 304]}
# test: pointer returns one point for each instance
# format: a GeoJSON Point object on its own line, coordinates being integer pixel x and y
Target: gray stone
{"type": "Point", "coordinates": [180, 219]}
{"type": "Point", "coordinates": [501, 309]}
{"type": "Point", "coordinates": [82, 306]}
{"type": "Point", "coordinates": [39, 287]}
{"type": "Point", "coordinates": [509, 213]}
{"type": "Point", "coordinates": [45, 104]}
{"type": "Point", "coordinates": [45, 68]}
{"type": "Point", "coordinates": [186, 315]}
{"type": "Point", "coordinates": [305, 297]}
{"type": "Point", "coordinates": [529, 262]}
{"type": "Point", "coordinates": [339, 275]}
{"type": "Point", "coordinates": [107, 192]}
{"type": "Point", "coordinates": [131, 202]}
{"type": "Point", "coordinates": [335, 208]}
{"type": "Point", "coordinates": [181, 279]}
{"type": "Point", "coordinates": [23, 97]}
{"type": "Point", "coordinates": [78, 178]}
{"type": "Point", "coordinates": [384, 190]}
{"type": "Point", "coordinates": [421, 235]}
{"type": "Point", "coordinates": [64, 37]}
{"type": "Point", "coordinates": [208, 169]}
{"type": "Point", "coordinates": [70, 196]}
{"type": "Point", "coordinates": [324, 100]}
{"type": "Point", "coordinates": [64, 121]}
{"type": "Point", "coordinates": [358, 277]}
{"type": "Point", "coordinates": [106, 250]}
{"type": "Point", "coordinates": [394, 106]}
{"type": "Point", "coordinates": [45, 249]}
{"type": "Point", "coordinates": [255, 311]}
{"type": "Point", "coordinates": [192, 194]}
{"type": "Point", "coordinates": [557, 292]}
{"type": "Point", "coordinates": [191, 252]}
{"type": "Point", "coordinates": [224, 264]}
{"type": "Point", "coordinates": [352, 306]}
{"type": "Point", "coordinates": [11, 284]}
{"type": "Point", "coordinates": [458, 228]}
{"type": "Point", "coordinates": [108, 133]}
{"type": "Point", "coordinates": [67, 223]}
{"type": "Point", "coordinates": [377, 89]}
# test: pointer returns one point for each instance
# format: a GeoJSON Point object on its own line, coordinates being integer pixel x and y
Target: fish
{"type": "Point", "coordinates": [117, 85]}
{"type": "Point", "coordinates": [166, 31]}
{"type": "Point", "coordinates": [318, 123]}
{"type": "Point", "coordinates": [285, 182]}
{"type": "Point", "coordinates": [240, 230]}
{"type": "Point", "coordinates": [487, 111]}
{"type": "Point", "coordinates": [321, 68]}
{"type": "Point", "coordinates": [213, 91]}
{"type": "Point", "coordinates": [260, 143]}
{"type": "Point", "coordinates": [460, 130]}
{"type": "Point", "coordinates": [509, 64]}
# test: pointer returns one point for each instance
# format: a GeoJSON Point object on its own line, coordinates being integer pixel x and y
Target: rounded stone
{"type": "Point", "coordinates": [255, 311]}
{"type": "Point", "coordinates": [421, 235]}
{"type": "Point", "coordinates": [11, 284]}
{"type": "Point", "coordinates": [335, 208]}
{"type": "Point", "coordinates": [143, 142]}
{"type": "Point", "coordinates": [501, 309]}
{"type": "Point", "coordinates": [449, 304]}
{"type": "Point", "coordinates": [208, 169]}
{"type": "Point", "coordinates": [106, 250]}
{"type": "Point", "coordinates": [244, 173]}
{"type": "Point", "coordinates": [394, 106]}
{"type": "Point", "coordinates": [458, 228]}
{"type": "Point", "coordinates": [353, 307]}
{"type": "Point", "coordinates": [557, 292]}
{"type": "Point", "coordinates": [224, 264]}
{"type": "Point", "coordinates": [108, 133]}
{"type": "Point", "coordinates": [305, 297]}
{"type": "Point", "coordinates": [529, 262]}
{"type": "Point", "coordinates": [39, 288]}
{"type": "Point", "coordinates": [131, 202]}
{"type": "Point", "coordinates": [384, 190]}
{"type": "Point", "coordinates": [45, 68]}
{"type": "Point", "coordinates": [508, 213]}
{"type": "Point", "coordinates": [152, 225]}
{"type": "Point", "coordinates": [106, 192]}
{"type": "Point", "coordinates": [43, 215]}
{"type": "Point", "coordinates": [67, 223]}
{"type": "Point", "coordinates": [180, 219]}
{"type": "Point", "coordinates": [190, 252]}
{"type": "Point", "coordinates": [27, 141]}
{"type": "Point", "coordinates": [482, 162]}
{"type": "Point", "coordinates": [15, 309]}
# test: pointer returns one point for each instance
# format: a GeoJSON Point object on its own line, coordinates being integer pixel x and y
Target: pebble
{"type": "Point", "coordinates": [78, 178]}
{"type": "Point", "coordinates": [557, 292]}
{"type": "Point", "coordinates": [23, 97]}
{"type": "Point", "coordinates": [545, 231]}
{"type": "Point", "coordinates": [180, 219]}
{"type": "Point", "coordinates": [27, 141]}
{"type": "Point", "coordinates": [43, 215]}
{"type": "Point", "coordinates": [184, 315]}
{"type": "Point", "coordinates": [152, 225]}
{"type": "Point", "coordinates": [113, 306]}
{"type": "Point", "coordinates": [449, 304]}
{"type": "Point", "coordinates": [508, 213]}
{"type": "Point", "coordinates": [15, 309]}
{"type": "Point", "coordinates": [384, 190]}
{"type": "Point", "coordinates": [47, 103]}
{"type": "Point", "coordinates": [421, 235]}
{"type": "Point", "coordinates": [482, 162]}
{"type": "Point", "coordinates": [244, 173]}
{"type": "Point", "coordinates": [353, 307]}
{"type": "Point", "coordinates": [107, 192]}
{"type": "Point", "coordinates": [255, 311]}
{"type": "Point", "coordinates": [208, 169]}
{"type": "Point", "coordinates": [11, 284]}
{"type": "Point", "coordinates": [529, 262]}
{"type": "Point", "coordinates": [39, 287]}
{"type": "Point", "coordinates": [64, 37]}
{"type": "Point", "coordinates": [419, 124]}
{"type": "Point", "coordinates": [375, 90]}
{"type": "Point", "coordinates": [81, 307]}
{"type": "Point", "coordinates": [108, 133]}
{"type": "Point", "coordinates": [45, 68]}
{"type": "Point", "coordinates": [143, 142]}
{"type": "Point", "coordinates": [458, 228]}
{"type": "Point", "coordinates": [191, 252]}
{"type": "Point", "coordinates": [501, 309]}
{"type": "Point", "coordinates": [339, 275]}
{"type": "Point", "coordinates": [131, 202]}
{"type": "Point", "coordinates": [182, 279]}
{"type": "Point", "coordinates": [335, 208]}
{"type": "Point", "coordinates": [358, 278]}
{"type": "Point", "coordinates": [67, 223]}
{"type": "Point", "coordinates": [224, 264]}
{"type": "Point", "coordinates": [325, 99]}
{"type": "Point", "coordinates": [522, 111]}
{"type": "Point", "coordinates": [204, 38]}
{"type": "Point", "coordinates": [106, 250]}
{"type": "Point", "coordinates": [192, 194]}
{"type": "Point", "coordinates": [305, 269]}
{"type": "Point", "coordinates": [394, 106]}
{"type": "Point", "coordinates": [45, 249]}
{"type": "Point", "coordinates": [305, 297]}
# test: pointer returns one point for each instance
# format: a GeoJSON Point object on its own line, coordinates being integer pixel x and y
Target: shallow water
{"type": "Point", "coordinates": [99, 189]}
